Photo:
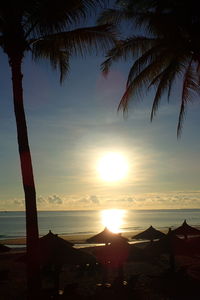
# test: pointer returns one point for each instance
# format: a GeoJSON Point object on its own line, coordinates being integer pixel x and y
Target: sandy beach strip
{"type": "Point", "coordinates": [77, 238]}
{"type": "Point", "coordinates": [74, 238]}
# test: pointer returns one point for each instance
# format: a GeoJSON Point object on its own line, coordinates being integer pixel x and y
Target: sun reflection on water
{"type": "Point", "coordinates": [112, 219]}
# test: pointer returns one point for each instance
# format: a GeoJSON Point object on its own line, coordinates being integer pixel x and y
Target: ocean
{"type": "Point", "coordinates": [12, 224]}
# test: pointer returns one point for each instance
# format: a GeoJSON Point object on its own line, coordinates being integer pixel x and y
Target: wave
{"type": "Point", "coordinates": [89, 222]}
{"type": "Point", "coordinates": [132, 228]}
{"type": "Point", "coordinates": [77, 233]}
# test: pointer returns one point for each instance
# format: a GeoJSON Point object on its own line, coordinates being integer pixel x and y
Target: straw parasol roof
{"type": "Point", "coordinates": [53, 240]}
{"type": "Point", "coordinates": [55, 250]}
{"type": "Point", "coordinates": [170, 243]}
{"type": "Point", "coordinates": [106, 237]}
{"type": "Point", "coordinates": [114, 254]}
{"type": "Point", "coordinates": [149, 234]}
{"type": "Point", "coordinates": [186, 230]}
{"type": "Point", "coordinates": [119, 252]}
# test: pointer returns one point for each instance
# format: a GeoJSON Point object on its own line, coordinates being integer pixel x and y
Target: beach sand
{"type": "Point", "coordinates": [74, 238]}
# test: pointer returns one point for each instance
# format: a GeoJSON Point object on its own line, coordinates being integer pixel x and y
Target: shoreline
{"type": "Point", "coordinates": [79, 239]}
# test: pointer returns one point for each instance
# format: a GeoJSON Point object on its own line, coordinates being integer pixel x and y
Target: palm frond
{"type": "Point", "coordinates": [181, 119]}
{"type": "Point", "coordinates": [141, 80]}
{"type": "Point", "coordinates": [165, 80]}
{"type": "Point", "coordinates": [58, 58]}
{"type": "Point", "coordinates": [48, 16]}
{"type": "Point", "coordinates": [110, 16]}
{"type": "Point", "coordinates": [190, 85]}
{"type": "Point", "coordinates": [115, 16]}
{"type": "Point", "coordinates": [173, 25]}
{"type": "Point", "coordinates": [154, 54]}
{"type": "Point", "coordinates": [62, 63]}
{"type": "Point", "coordinates": [60, 47]}
{"type": "Point", "coordinates": [126, 49]}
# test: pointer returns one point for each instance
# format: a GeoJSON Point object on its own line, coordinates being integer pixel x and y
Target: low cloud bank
{"type": "Point", "coordinates": [170, 200]}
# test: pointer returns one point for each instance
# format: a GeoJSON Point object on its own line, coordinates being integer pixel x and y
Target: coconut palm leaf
{"type": "Point", "coordinates": [115, 16]}
{"type": "Point", "coordinates": [141, 79]}
{"type": "Point", "coordinates": [173, 54]}
{"type": "Point", "coordinates": [59, 47]}
{"type": "Point", "coordinates": [59, 15]}
{"type": "Point", "coordinates": [190, 85]}
{"type": "Point", "coordinates": [166, 79]}
{"type": "Point", "coordinates": [126, 49]}
{"type": "Point", "coordinates": [153, 55]}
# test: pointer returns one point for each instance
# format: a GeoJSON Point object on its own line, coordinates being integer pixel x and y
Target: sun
{"type": "Point", "coordinates": [112, 167]}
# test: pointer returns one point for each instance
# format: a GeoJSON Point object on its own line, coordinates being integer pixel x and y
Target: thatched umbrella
{"type": "Point", "coordinates": [186, 230]}
{"type": "Point", "coordinates": [51, 239]}
{"type": "Point", "coordinates": [56, 252]}
{"type": "Point", "coordinates": [118, 253]}
{"type": "Point", "coordinates": [169, 244]}
{"type": "Point", "coordinates": [106, 237]}
{"type": "Point", "coordinates": [149, 234]}
{"type": "Point", "coordinates": [113, 256]}
{"type": "Point", "coordinates": [52, 246]}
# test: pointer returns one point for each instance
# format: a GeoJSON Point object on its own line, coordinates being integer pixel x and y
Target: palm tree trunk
{"type": "Point", "coordinates": [33, 278]}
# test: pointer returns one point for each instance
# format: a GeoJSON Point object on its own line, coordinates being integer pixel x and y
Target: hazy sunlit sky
{"type": "Point", "coordinates": [72, 126]}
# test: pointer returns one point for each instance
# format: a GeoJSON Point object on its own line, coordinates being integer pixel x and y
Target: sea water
{"type": "Point", "coordinates": [12, 224]}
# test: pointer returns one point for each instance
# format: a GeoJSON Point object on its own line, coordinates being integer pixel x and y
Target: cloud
{"type": "Point", "coordinates": [122, 200]}
{"type": "Point", "coordinates": [83, 201]}
{"type": "Point", "coordinates": [41, 200]}
{"type": "Point", "coordinates": [93, 199]}
{"type": "Point", "coordinates": [18, 202]}
{"type": "Point", "coordinates": [55, 200]}
{"type": "Point", "coordinates": [65, 202]}
{"type": "Point", "coordinates": [170, 200]}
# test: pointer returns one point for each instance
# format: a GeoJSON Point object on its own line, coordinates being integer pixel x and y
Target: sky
{"type": "Point", "coordinates": [72, 126]}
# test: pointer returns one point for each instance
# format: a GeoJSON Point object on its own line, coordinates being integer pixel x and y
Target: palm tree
{"type": "Point", "coordinates": [166, 50]}
{"type": "Point", "coordinates": [49, 30]}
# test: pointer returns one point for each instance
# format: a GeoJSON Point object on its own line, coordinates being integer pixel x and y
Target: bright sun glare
{"type": "Point", "coordinates": [112, 219]}
{"type": "Point", "coordinates": [112, 167]}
